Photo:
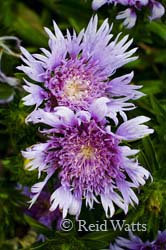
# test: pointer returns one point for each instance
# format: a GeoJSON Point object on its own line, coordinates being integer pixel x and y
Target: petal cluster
{"type": "Point", "coordinates": [136, 243]}
{"type": "Point", "coordinates": [78, 69]}
{"type": "Point", "coordinates": [129, 15]}
{"type": "Point", "coordinates": [76, 99]}
{"type": "Point", "coordinates": [88, 159]}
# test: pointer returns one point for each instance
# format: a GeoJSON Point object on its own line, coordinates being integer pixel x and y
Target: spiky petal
{"type": "Point", "coordinates": [135, 243]}
{"type": "Point", "coordinates": [88, 159]}
{"type": "Point", "coordinates": [76, 70]}
{"type": "Point", "coordinates": [129, 15]}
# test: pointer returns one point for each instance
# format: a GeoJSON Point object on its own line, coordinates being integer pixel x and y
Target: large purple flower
{"type": "Point", "coordinates": [135, 243]}
{"type": "Point", "coordinates": [77, 70]}
{"type": "Point", "coordinates": [156, 9]}
{"type": "Point", "coordinates": [88, 158]}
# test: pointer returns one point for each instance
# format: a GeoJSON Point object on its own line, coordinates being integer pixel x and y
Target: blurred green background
{"type": "Point", "coordinates": [25, 20]}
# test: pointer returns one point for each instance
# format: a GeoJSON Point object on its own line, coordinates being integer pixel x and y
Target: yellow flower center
{"type": "Point", "coordinates": [87, 151]}
{"type": "Point", "coordinates": [76, 88]}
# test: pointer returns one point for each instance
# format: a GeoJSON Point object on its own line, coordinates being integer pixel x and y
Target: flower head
{"type": "Point", "coordinates": [76, 70]}
{"type": "Point", "coordinates": [88, 159]}
{"type": "Point", "coordinates": [160, 242]}
{"type": "Point", "coordinates": [129, 15]}
{"type": "Point", "coordinates": [135, 243]}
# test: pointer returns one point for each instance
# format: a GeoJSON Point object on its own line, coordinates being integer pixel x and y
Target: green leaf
{"type": "Point", "coordinates": [6, 93]}
{"type": "Point", "coordinates": [100, 239]}
{"type": "Point", "coordinates": [158, 29]}
{"type": "Point", "coordinates": [160, 56]}
{"type": "Point", "coordinates": [35, 224]}
{"type": "Point", "coordinates": [29, 26]}
{"type": "Point", "coordinates": [148, 155]}
{"type": "Point", "coordinates": [151, 86]}
{"type": "Point", "coordinates": [40, 247]}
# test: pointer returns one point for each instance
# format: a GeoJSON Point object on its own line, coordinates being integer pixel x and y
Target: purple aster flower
{"type": "Point", "coordinates": [40, 210]}
{"type": "Point", "coordinates": [160, 242]}
{"type": "Point", "coordinates": [135, 243]}
{"type": "Point", "coordinates": [76, 70]}
{"type": "Point", "coordinates": [129, 15]}
{"type": "Point", "coordinates": [157, 10]}
{"type": "Point", "coordinates": [88, 158]}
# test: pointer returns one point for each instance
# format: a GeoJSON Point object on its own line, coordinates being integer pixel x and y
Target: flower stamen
{"type": "Point", "coordinates": [87, 151]}
{"type": "Point", "coordinates": [76, 88]}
